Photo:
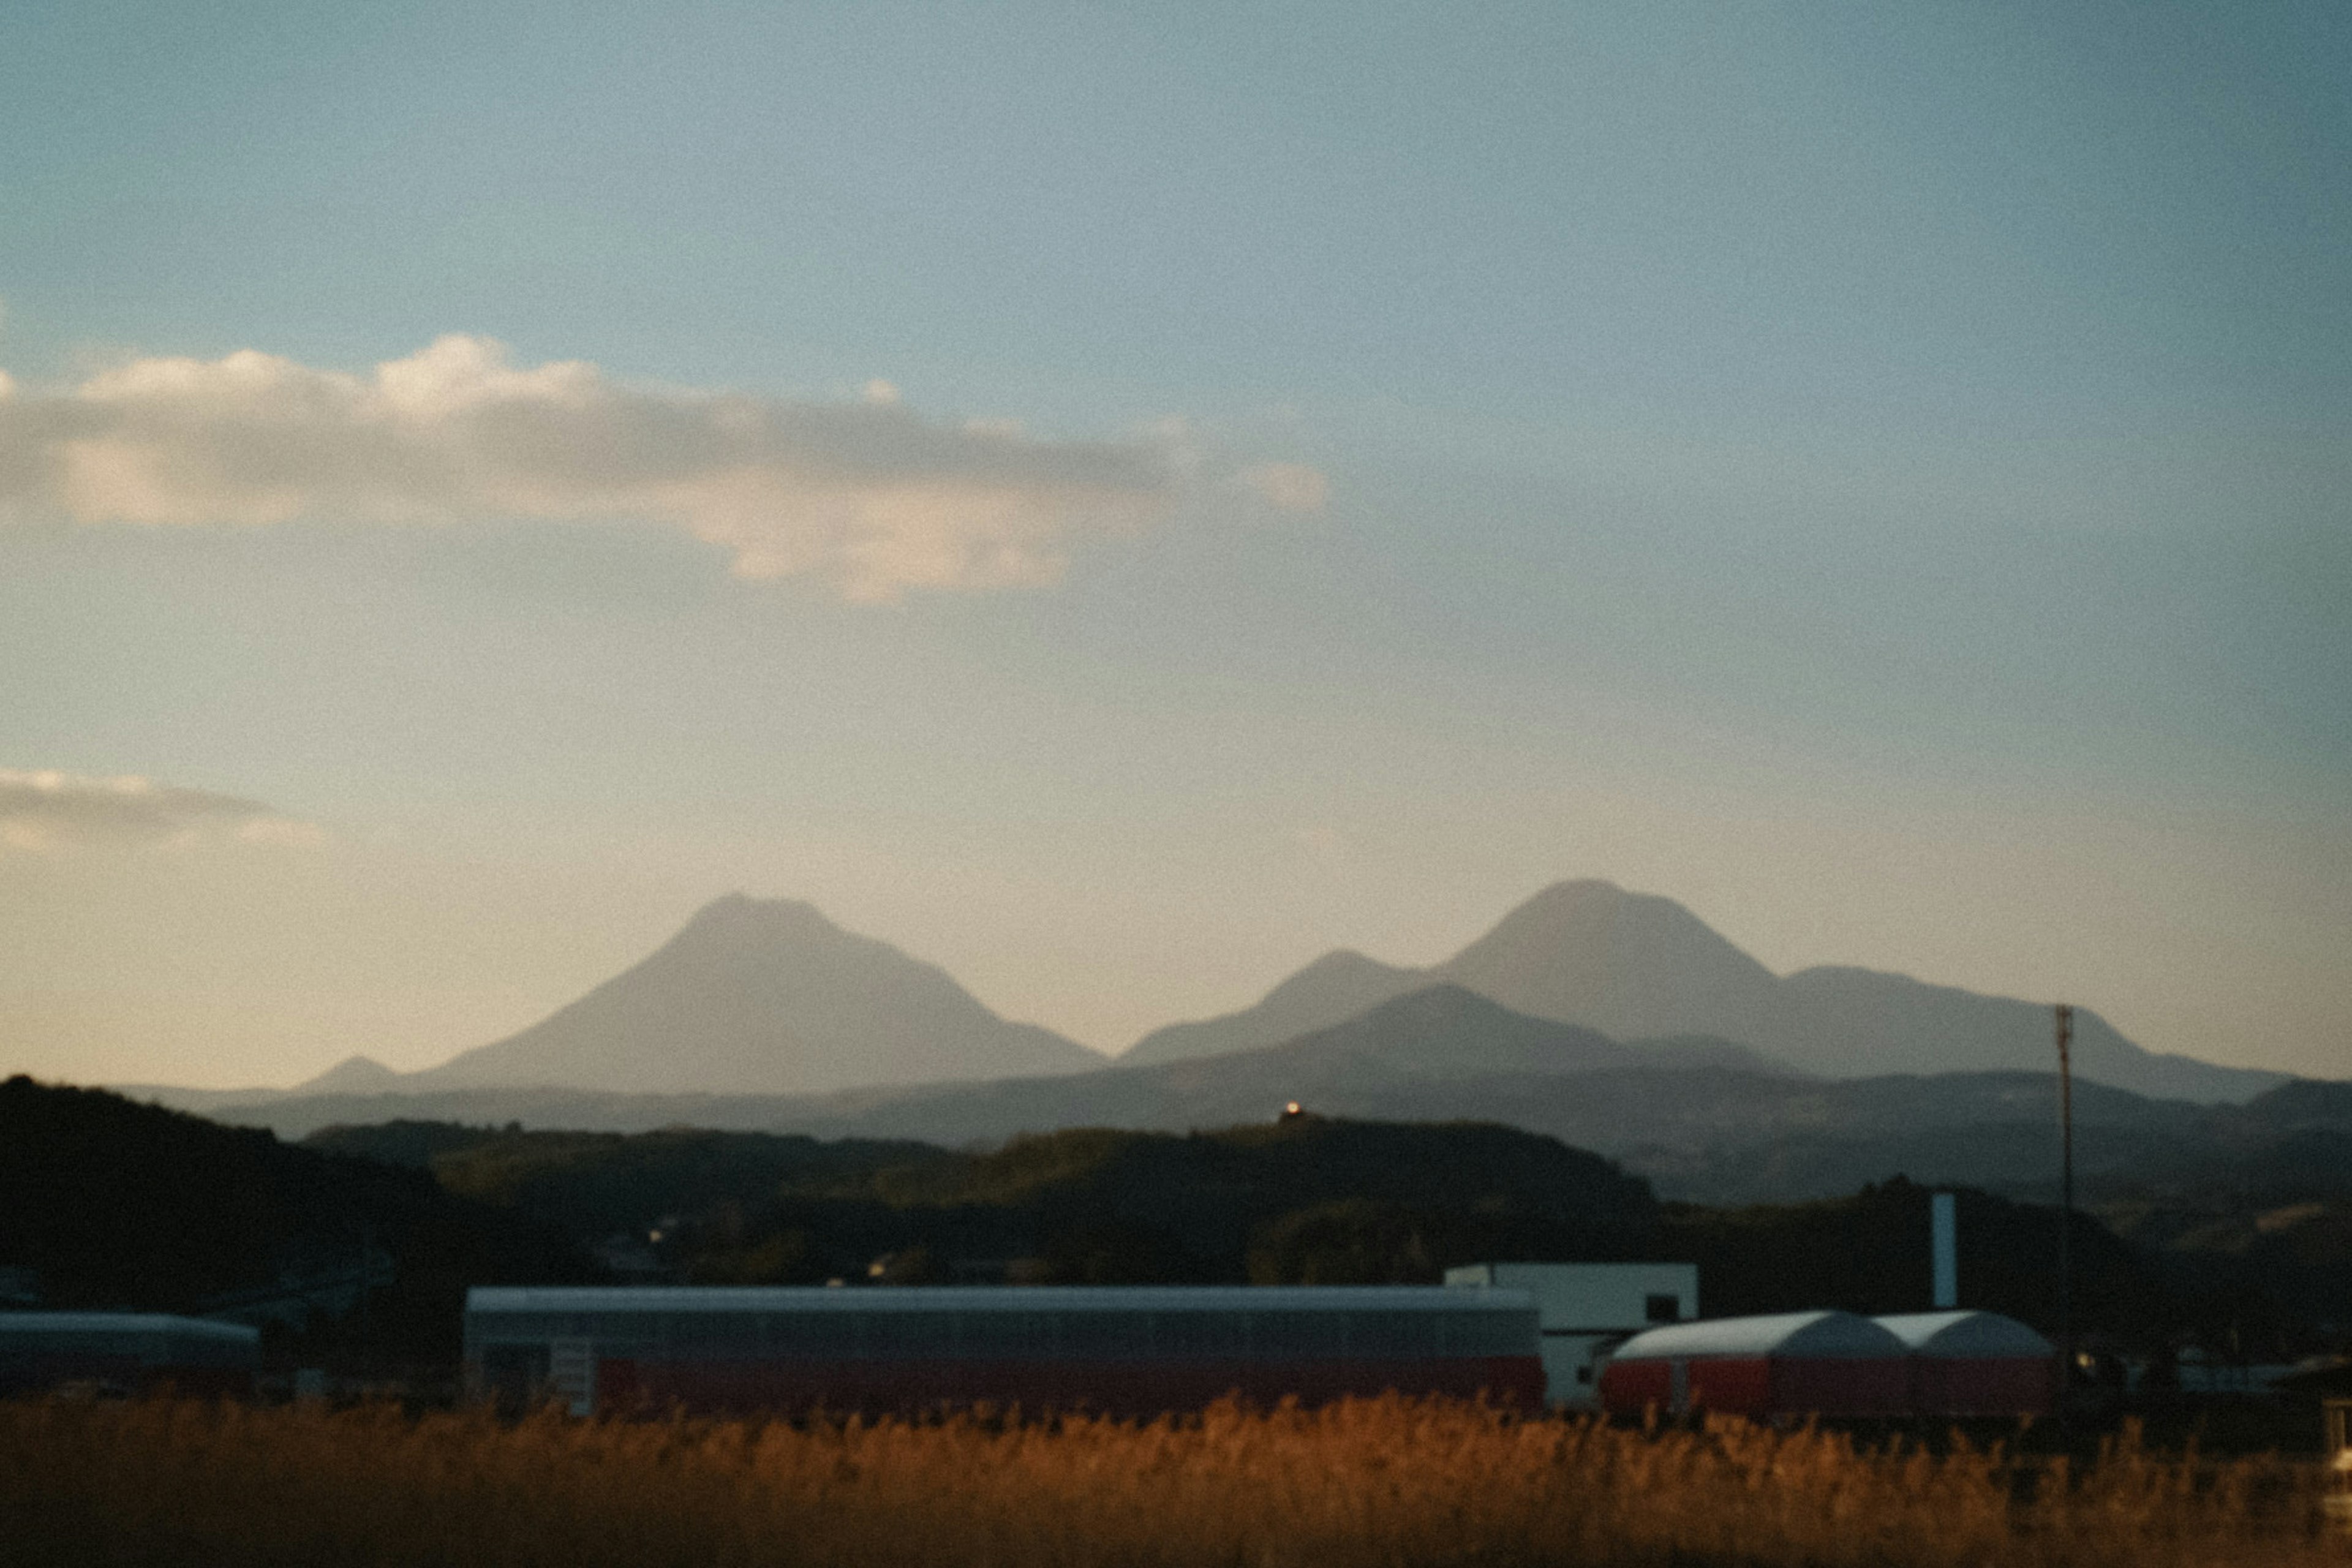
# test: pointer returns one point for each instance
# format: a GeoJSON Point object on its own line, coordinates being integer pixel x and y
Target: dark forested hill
{"type": "Point", "coordinates": [592, 1184]}
{"type": "Point", "coordinates": [112, 1203]}
{"type": "Point", "coordinates": [1868, 1252]}
{"type": "Point", "coordinates": [1304, 1199]}
{"type": "Point", "coordinates": [115, 1204]}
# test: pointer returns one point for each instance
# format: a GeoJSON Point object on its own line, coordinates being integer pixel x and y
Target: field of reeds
{"type": "Point", "coordinates": [1388, 1481]}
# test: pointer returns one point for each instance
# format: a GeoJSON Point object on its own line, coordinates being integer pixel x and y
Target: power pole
{"type": "Point", "coordinates": [2066, 1017]}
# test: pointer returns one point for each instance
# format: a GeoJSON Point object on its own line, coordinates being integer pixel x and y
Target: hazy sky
{"type": "Point", "coordinates": [1120, 502]}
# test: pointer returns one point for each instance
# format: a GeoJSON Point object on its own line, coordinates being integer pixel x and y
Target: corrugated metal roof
{"type": "Point", "coordinates": [1823, 1334]}
{"type": "Point", "coordinates": [1966, 1336]}
{"type": "Point", "coordinates": [992, 1298]}
{"type": "Point", "coordinates": [34, 1323]}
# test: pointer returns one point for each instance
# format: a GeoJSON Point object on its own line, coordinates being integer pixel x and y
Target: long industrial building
{"type": "Point", "coordinates": [1125, 1350]}
{"type": "Point", "coordinates": [129, 1352]}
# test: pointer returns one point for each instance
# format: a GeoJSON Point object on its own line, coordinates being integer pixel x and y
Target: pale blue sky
{"type": "Point", "coordinates": [1876, 474]}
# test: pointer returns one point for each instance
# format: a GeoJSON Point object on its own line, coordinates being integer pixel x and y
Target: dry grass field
{"type": "Point", "coordinates": [1387, 1483]}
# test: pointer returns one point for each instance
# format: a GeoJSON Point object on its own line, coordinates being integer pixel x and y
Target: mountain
{"type": "Point", "coordinates": [763, 997]}
{"type": "Point", "coordinates": [1704, 1118]}
{"type": "Point", "coordinates": [1636, 966]}
{"type": "Point", "coordinates": [1844, 1021]}
{"type": "Point", "coordinates": [1335, 987]}
{"type": "Point", "coordinates": [1628, 964]}
{"type": "Point", "coordinates": [353, 1075]}
{"type": "Point", "coordinates": [1441, 1044]}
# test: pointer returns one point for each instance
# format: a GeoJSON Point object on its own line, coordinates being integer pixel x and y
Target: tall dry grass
{"type": "Point", "coordinates": [1388, 1481]}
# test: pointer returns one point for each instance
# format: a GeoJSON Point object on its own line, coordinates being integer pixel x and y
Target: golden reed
{"type": "Point", "coordinates": [1386, 1481]}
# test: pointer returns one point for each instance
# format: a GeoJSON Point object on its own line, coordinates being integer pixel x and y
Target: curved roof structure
{"type": "Point", "coordinates": [1966, 1336]}
{"type": "Point", "coordinates": [1826, 1335]}
{"type": "Point", "coordinates": [33, 1325]}
{"type": "Point", "coordinates": [866, 1298]}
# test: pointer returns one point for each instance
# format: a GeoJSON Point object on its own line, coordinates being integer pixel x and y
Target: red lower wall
{"type": "Point", "coordinates": [1630, 1387]}
{"type": "Point", "coordinates": [2012, 1386]}
{"type": "Point", "coordinates": [1118, 1388]}
{"type": "Point", "coordinates": [1761, 1386]}
{"type": "Point", "coordinates": [1844, 1386]}
{"type": "Point", "coordinates": [1736, 1385]}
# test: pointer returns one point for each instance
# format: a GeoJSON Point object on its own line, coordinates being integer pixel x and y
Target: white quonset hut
{"type": "Point", "coordinates": [1789, 1364]}
{"type": "Point", "coordinates": [1585, 1309]}
{"type": "Point", "coordinates": [1976, 1364]}
{"type": "Point", "coordinates": [1119, 1349]}
{"type": "Point", "coordinates": [129, 1352]}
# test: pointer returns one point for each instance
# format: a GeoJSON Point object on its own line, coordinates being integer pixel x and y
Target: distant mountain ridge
{"type": "Point", "coordinates": [1441, 1042]}
{"type": "Point", "coordinates": [1637, 966]}
{"type": "Point", "coordinates": [761, 997]}
{"type": "Point", "coordinates": [770, 998]}
{"type": "Point", "coordinates": [1703, 1118]}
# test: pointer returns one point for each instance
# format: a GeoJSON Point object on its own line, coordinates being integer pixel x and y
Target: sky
{"type": "Point", "coordinates": [1118, 500]}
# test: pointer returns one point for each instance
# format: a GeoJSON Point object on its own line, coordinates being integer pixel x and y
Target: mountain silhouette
{"type": "Point", "coordinates": [353, 1075]}
{"type": "Point", "coordinates": [757, 996]}
{"type": "Point", "coordinates": [1334, 988]}
{"type": "Point", "coordinates": [1628, 964]}
{"type": "Point", "coordinates": [1636, 966]}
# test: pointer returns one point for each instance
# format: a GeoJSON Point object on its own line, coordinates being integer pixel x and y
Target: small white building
{"type": "Point", "coordinates": [1586, 1309]}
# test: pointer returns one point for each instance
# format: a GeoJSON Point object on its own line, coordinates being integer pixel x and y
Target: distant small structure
{"type": "Point", "coordinates": [1788, 1365]}
{"type": "Point", "coordinates": [129, 1352]}
{"type": "Point", "coordinates": [629, 1257]}
{"type": "Point", "coordinates": [1584, 1310]}
{"type": "Point", "coordinates": [1944, 1250]}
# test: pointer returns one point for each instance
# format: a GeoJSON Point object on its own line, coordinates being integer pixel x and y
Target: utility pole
{"type": "Point", "coordinates": [2066, 1017]}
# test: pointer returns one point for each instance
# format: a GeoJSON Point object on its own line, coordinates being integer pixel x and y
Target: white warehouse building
{"type": "Point", "coordinates": [1586, 1309]}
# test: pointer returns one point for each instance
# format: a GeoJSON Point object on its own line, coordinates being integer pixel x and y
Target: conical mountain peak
{"type": "Point", "coordinates": [353, 1075]}
{"type": "Point", "coordinates": [767, 997]}
{"type": "Point", "coordinates": [1336, 986]}
{"type": "Point", "coordinates": [1342, 970]}
{"type": "Point", "coordinates": [1629, 964]}
{"type": "Point", "coordinates": [740, 915]}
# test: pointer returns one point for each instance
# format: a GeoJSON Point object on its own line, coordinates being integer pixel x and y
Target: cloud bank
{"type": "Point", "coordinates": [49, 810]}
{"type": "Point", "coordinates": [867, 495]}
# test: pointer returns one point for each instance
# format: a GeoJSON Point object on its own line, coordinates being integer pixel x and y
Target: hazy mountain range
{"type": "Point", "coordinates": [1634, 966]}
{"type": "Point", "coordinates": [1615, 1020]}
{"type": "Point", "coordinates": [1703, 1118]}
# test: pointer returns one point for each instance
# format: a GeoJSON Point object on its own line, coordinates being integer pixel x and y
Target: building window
{"type": "Point", "coordinates": [1663, 1308]}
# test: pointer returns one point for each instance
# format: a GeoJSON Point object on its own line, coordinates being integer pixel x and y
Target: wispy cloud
{"type": "Point", "coordinates": [1289, 487]}
{"type": "Point", "coordinates": [867, 494]}
{"type": "Point", "coordinates": [51, 810]}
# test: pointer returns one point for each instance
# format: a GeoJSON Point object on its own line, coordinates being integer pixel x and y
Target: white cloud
{"type": "Point", "coordinates": [1289, 487]}
{"type": "Point", "coordinates": [867, 494]}
{"type": "Point", "coordinates": [51, 810]}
